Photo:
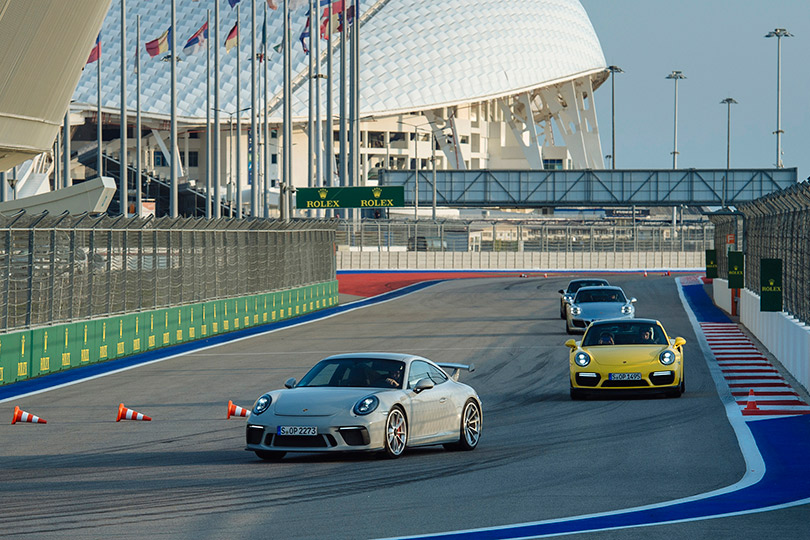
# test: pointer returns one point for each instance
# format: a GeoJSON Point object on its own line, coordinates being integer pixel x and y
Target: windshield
{"type": "Point", "coordinates": [625, 333]}
{"type": "Point", "coordinates": [600, 295]}
{"type": "Point", "coordinates": [574, 286]}
{"type": "Point", "coordinates": [355, 372]}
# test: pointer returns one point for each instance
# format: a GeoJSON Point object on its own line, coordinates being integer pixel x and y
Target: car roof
{"type": "Point", "coordinates": [377, 356]}
{"type": "Point", "coordinates": [601, 288]}
{"type": "Point", "coordinates": [586, 279]}
{"type": "Point", "coordinates": [627, 321]}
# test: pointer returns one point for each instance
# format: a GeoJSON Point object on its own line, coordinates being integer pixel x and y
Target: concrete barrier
{"type": "Point", "coordinates": [519, 260]}
{"type": "Point", "coordinates": [786, 337]}
{"type": "Point", "coordinates": [721, 294]}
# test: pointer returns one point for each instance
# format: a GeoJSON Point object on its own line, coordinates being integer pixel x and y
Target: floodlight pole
{"type": "Point", "coordinates": [778, 33]}
{"type": "Point", "coordinates": [613, 71]}
{"type": "Point", "coordinates": [729, 101]}
{"type": "Point", "coordinates": [676, 76]}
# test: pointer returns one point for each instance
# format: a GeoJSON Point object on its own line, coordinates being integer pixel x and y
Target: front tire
{"type": "Point", "coordinates": [471, 424]}
{"type": "Point", "coordinates": [396, 433]}
{"type": "Point", "coordinates": [268, 455]}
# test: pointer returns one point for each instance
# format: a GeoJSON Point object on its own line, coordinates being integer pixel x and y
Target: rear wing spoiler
{"type": "Point", "coordinates": [456, 369]}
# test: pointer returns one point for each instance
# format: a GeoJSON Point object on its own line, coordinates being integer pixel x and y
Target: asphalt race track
{"type": "Point", "coordinates": [542, 456]}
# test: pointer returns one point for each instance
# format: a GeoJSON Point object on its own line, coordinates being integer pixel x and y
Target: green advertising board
{"type": "Point", "coordinates": [350, 197]}
{"type": "Point", "coordinates": [711, 263]}
{"type": "Point", "coordinates": [770, 284]}
{"type": "Point", "coordinates": [736, 270]}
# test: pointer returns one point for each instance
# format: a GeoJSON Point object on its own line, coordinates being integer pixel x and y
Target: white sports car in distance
{"type": "Point", "coordinates": [383, 402]}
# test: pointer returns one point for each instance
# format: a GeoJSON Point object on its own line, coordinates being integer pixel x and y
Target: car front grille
{"type": "Point", "coordinates": [355, 436]}
{"type": "Point", "coordinates": [253, 434]}
{"type": "Point", "coordinates": [303, 441]}
{"type": "Point", "coordinates": [623, 384]}
{"type": "Point", "coordinates": [584, 380]}
{"type": "Point", "coordinates": [659, 380]}
{"type": "Point", "coordinates": [579, 323]}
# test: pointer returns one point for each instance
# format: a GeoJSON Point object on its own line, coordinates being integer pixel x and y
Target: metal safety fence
{"type": "Point", "coordinates": [65, 268]}
{"type": "Point", "coordinates": [776, 226]}
{"type": "Point", "coordinates": [526, 236]}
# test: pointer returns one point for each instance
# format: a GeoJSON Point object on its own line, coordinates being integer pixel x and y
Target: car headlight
{"type": "Point", "coordinates": [582, 359]}
{"type": "Point", "coordinates": [366, 405]}
{"type": "Point", "coordinates": [628, 308]}
{"type": "Point", "coordinates": [576, 310]}
{"type": "Point", "coordinates": [667, 357]}
{"type": "Point", "coordinates": [568, 298]}
{"type": "Point", "coordinates": [261, 404]}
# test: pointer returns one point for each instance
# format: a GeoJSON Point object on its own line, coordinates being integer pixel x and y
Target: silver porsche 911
{"type": "Point", "coordinates": [382, 402]}
{"type": "Point", "coordinates": [597, 303]}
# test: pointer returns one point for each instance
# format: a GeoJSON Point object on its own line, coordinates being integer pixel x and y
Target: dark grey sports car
{"type": "Point", "coordinates": [596, 303]}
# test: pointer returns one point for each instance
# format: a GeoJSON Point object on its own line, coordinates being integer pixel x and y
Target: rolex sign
{"type": "Point", "coordinates": [350, 197]}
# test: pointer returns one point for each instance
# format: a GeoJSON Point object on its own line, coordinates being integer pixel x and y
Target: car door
{"type": "Point", "coordinates": [429, 408]}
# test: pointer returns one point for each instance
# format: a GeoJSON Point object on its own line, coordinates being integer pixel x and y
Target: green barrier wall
{"type": "Point", "coordinates": [31, 353]}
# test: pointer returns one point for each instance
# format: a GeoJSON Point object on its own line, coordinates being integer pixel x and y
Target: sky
{"type": "Point", "coordinates": [720, 47]}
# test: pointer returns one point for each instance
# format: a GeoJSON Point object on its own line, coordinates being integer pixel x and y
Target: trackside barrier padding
{"type": "Point", "coordinates": [31, 353]}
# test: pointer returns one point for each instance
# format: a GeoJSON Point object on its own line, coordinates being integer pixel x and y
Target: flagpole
{"type": "Point", "coordinates": [238, 118]}
{"type": "Point", "coordinates": [254, 184]}
{"type": "Point", "coordinates": [216, 164]}
{"type": "Point", "coordinates": [208, 119]}
{"type": "Point", "coordinates": [99, 164]}
{"type": "Point", "coordinates": [329, 145]}
{"type": "Point", "coordinates": [138, 196]}
{"type": "Point", "coordinates": [266, 183]}
{"type": "Point", "coordinates": [67, 181]}
{"type": "Point", "coordinates": [344, 165]}
{"type": "Point", "coordinates": [123, 194]}
{"type": "Point", "coordinates": [357, 173]}
{"type": "Point", "coordinates": [311, 117]}
{"type": "Point", "coordinates": [286, 177]}
{"type": "Point", "coordinates": [173, 139]}
{"type": "Point", "coordinates": [316, 35]}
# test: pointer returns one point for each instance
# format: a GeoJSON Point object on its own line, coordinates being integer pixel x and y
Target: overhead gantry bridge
{"type": "Point", "coordinates": [543, 188]}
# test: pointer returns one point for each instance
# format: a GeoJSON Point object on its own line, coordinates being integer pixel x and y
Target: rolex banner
{"type": "Point", "coordinates": [711, 263]}
{"type": "Point", "coordinates": [770, 284]}
{"type": "Point", "coordinates": [736, 270]}
{"type": "Point", "coordinates": [350, 197]}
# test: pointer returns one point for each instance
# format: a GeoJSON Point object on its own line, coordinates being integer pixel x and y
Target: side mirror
{"type": "Point", "coordinates": [422, 385]}
{"type": "Point", "coordinates": [290, 383]}
{"type": "Point", "coordinates": [680, 342]}
{"type": "Point", "coordinates": [561, 291]}
{"type": "Point", "coordinates": [633, 300]}
{"type": "Point", "coordinates": [571, 344]}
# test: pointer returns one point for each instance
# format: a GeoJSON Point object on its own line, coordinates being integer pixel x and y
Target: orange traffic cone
{"type": "Point", "coordinates": [22, 416]}
{"type": "Point", "coordinates": [545, 275]}
{"type": "Point", "coordinates": [129, 414]}
{"type": "Point", "coordinates": [752, 404]}
{"type": "Point", "coordinates": [645, 273]}
{"type": "Point", "coordinates": [236, 410]}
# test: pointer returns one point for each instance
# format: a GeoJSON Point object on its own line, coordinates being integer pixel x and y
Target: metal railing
{"type": "Point", "coordinates": [66, 268]}
{"type": "Point", "coordinates": [523, 236]}
{"type": "Point", "coordinates": [776, 226]}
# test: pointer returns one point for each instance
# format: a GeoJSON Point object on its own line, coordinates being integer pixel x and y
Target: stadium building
{"type": "Point", "coordinates": [479, 84]}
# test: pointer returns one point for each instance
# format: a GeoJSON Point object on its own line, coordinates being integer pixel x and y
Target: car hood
{"type": "Point", "coordinates": [318, 401]}
{"type": "Point", "coordinates": [624, 355]}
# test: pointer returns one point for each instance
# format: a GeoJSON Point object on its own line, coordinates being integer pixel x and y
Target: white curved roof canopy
{"type": "Point", "coordinates": [415, 54]}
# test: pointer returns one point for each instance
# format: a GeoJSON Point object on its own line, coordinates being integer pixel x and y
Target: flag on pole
{"type": "Point", "coordinates": [196, 42]}
{"type": "Point", "coordinates": [304, 37]}
{"type": "Point", "coordinates": [233, 2]}
{"type": "Point", "coordinates": [95, 52]}
{"type": "Point", "coordinates": [233, 37]}
{"type": "Point", "coordinates": [272, 4]}
{"type": "Point", "coordinates": [159, 45]}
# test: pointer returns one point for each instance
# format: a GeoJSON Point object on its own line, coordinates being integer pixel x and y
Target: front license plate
{"type": "Point", "coordinates": [625, 376]}
{"type": "Point", "coordinates": [297, 430]}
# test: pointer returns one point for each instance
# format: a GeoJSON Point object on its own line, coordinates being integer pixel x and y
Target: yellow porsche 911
{"type": "Point", "coordinates": [626, 355]}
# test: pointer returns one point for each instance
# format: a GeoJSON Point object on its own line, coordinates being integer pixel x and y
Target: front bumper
{"type": "Point", "coordinates": [365, 436]}
{"type": "Point", "coordinates": [659, 379]}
